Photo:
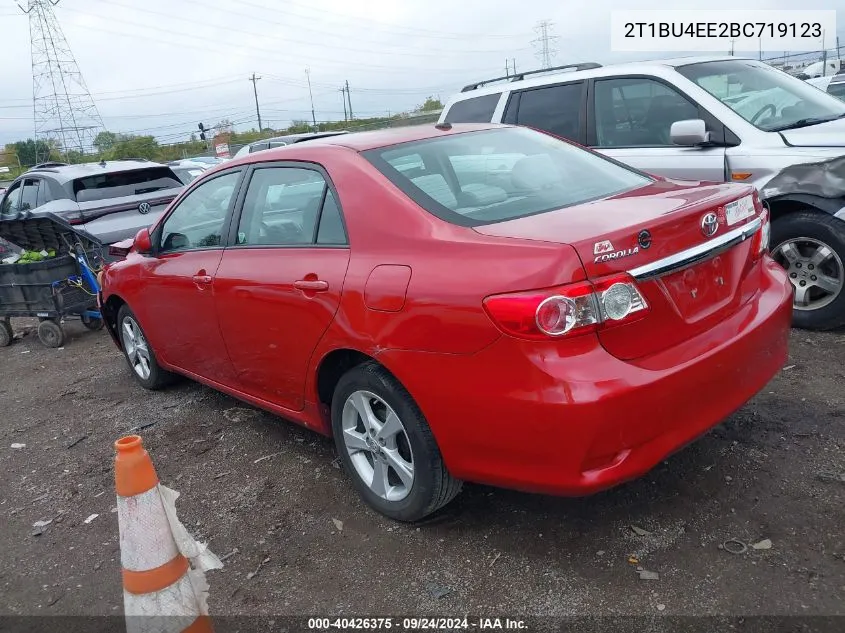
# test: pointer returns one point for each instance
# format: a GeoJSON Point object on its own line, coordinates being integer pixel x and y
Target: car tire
{"type": "Point", "coordinates": [51, 334]}
{"type": "Point", "coordinates": [807, 243]}
{"type": "Point", "coordinates": [6, 333]}
{"type": "Point", "coordinates": [93, 323]}
{"type": "Point", "coordinates": [138, 352]}
{"type": "Point", "coordinates": [395, 443]}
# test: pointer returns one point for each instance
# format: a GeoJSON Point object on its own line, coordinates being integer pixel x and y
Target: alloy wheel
{"type": "Point", "coordinates": [137, 350]}
{"type": "Point", "coordinates": [378, 445]}
{"type": "Point", "coordinates": [815, 270]}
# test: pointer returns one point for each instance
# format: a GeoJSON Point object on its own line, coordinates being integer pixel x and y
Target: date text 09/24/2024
{"type": "Point", "coordinates": [417, 624]}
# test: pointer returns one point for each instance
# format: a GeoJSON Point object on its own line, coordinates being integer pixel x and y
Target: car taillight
{"type": "Point", "coordinates": [118, 251]}
{"type": "Point", "coordinates": [568, 310]}
{"type": "Point", "coordinates": [72, 217]}
{"type": "Point", "coordinates": [760, 242]}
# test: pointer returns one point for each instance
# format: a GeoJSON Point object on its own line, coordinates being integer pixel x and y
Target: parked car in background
{"type": "Point", "coordinates": [109, 200]}
{"type": "Point", "coordinates": [593, 303]}
{"type": "Point", "coordinates": [705, 119]}
{"type": "Point", "coordinates": [187, 170]}
{"type": "Point", "coordinates": [281, 141]}
{"type": "Point", "coordinates": [832, 84]}
{"type": "Point", "coordinates": [211, 161]}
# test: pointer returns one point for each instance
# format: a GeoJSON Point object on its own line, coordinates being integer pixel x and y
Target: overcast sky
{"type": "Point", "coordinates": [160, 66]}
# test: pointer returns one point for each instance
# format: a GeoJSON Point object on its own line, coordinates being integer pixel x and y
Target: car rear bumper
{"type": "Point", "coordinates": [109, 319]}
{"type": "Point", "coordinates": [568, 418]}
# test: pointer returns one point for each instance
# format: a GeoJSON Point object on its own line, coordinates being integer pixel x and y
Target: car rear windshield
{"type": "Point", "coordinates": [473, 110]}
{"type": "Point", "coordinates": [490, 176]}
{"type": "Point", "coordinates": [124, 183]}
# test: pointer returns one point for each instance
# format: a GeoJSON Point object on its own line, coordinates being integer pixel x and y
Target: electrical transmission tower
{"type": "Point", "coordinates": [545, 43]}
{"type": "Point", "coordinates": [64, 112]}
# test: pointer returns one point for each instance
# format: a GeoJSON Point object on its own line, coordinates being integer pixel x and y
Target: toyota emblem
{"type": "Point", "coordinates": [644, 239]}
{"type": "Point", "coordinates": [709, 225]}
{"type": "Point", "coordinates": [144, 208]}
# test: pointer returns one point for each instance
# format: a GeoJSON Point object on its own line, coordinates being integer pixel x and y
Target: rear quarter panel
{"type": "Point", "coordinates": [452, 269]}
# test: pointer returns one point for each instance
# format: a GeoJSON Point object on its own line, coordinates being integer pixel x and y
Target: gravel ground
{"type": "Point", "coordinates": [292, 519]}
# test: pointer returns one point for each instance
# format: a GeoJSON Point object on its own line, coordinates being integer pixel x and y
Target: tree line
{"type": "Point", "coordinates": [22, 155]}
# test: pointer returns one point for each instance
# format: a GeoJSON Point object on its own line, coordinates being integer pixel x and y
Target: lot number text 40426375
{"type": "Point", "coordinates": [418, 624]}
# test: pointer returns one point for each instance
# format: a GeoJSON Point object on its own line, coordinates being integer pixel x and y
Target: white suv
{"type": "Point", "coordinates": [712, 119]}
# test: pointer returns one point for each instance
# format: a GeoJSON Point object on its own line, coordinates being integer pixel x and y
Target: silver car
{"type": "Point", "coordinates": [705, 119]}
{"type": "Point", "coordinates": [110, 200]}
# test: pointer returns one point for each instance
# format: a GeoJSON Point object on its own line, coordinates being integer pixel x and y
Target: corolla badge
{"type": "Point", "coordinates": [709, 224]}
{"type": "Point", "coordinates": [605, 252]}
{"type": "Point", "coordinates": [144, 208]}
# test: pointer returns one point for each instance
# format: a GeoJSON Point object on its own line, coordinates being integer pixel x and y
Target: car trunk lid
{"type": "Point", "coordinates": [689, 280]}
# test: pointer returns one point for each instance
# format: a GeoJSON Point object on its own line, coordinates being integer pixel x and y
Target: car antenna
{"type": "Point", "coordinates": [443, 126]}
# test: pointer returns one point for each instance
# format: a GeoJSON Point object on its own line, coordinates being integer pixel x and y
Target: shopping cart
{"type": "Point", "coordinates": [56, 289]}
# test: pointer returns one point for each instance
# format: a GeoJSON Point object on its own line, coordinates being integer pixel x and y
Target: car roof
{"type": "Point", "coordinates": [535, 78]}
{"type": "Point", "coordinates": [363, 141]}
{"type": "Point", "coordinates": [288, 138]}
{"type": "Point", "coordinates": [83, 170]}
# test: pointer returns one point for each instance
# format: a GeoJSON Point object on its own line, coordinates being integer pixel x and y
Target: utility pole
{"type": "Point", "coordinates": [349, 97]}
{"type": "Point", "coordinates": [824, 56]}
{"type": "Point", "coordinates": [345, 113]}
{"type": "Point", "coordinates": [254, 79]}
{"type": "Point", "coordinates": [732, 47]}
{"type": "Point", "coordinates": [513, 59]}
{"type": "Point", "coordinates": [311, 95]}
{"type": "Point", "coordinates": [507, 68]}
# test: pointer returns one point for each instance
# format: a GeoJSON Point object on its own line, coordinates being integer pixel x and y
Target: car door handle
{"type": "Point", "coordinates": [311, 285]}
{"type": "Point", "coordinates": [203, 280]}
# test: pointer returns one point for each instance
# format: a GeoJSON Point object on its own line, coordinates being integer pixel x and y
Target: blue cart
{"type": "Point", "coordinates": [53, 290]}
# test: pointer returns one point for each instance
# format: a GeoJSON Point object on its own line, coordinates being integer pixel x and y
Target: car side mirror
{"type": "Point", "coordinates": [689, 133]}
{"type": "Point", "coordinates": [143, 243]}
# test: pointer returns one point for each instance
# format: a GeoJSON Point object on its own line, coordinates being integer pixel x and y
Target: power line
{"type": "Point", "coordinates": [544, 41]}
{"type": "Point", "coordinates": [240, 48]}
{"type": "Point", "coordinates": [403, 47]}
{"type": "Point", "coordinates": [346, 18]}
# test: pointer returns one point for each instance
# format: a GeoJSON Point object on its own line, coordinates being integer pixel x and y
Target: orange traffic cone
{"type": "Point", "coordinates": [164, 586]}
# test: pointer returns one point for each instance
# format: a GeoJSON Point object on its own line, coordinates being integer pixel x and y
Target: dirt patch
{"type": "Point", "coordinates": [764, 474]}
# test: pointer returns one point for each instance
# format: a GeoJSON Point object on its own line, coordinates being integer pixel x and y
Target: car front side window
{"type": "Point", "coordinates": [638, 112]}
{"type": "Point", "coordinates": [198, 221]}
{"type": "Point", "coordinates": [29, 194]}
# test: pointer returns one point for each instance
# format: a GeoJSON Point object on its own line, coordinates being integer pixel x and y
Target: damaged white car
{"type": "Point", "coordinates": [712, 119]}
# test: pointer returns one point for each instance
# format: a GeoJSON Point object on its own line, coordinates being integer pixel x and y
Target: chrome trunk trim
{"type": "Point", "coordinates": [696, 254]}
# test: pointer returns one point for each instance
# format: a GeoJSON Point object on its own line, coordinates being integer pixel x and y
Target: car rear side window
{"type": "Point", "coordinates": [331, 231]}
{"type": "Point", "coordinates": [283, 206]}
{"type": "Point", "coordinates": [477, 178]}
{"type": "Point", "coordinates": [124, 183]}
{"type": "Point", "coordinates": [555, 109]}
{"type": "Point", "coordinates": [473, 110]}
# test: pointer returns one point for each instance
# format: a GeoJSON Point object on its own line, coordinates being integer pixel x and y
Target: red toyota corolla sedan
{"type": "Point", "coordinates": [460, 303]}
